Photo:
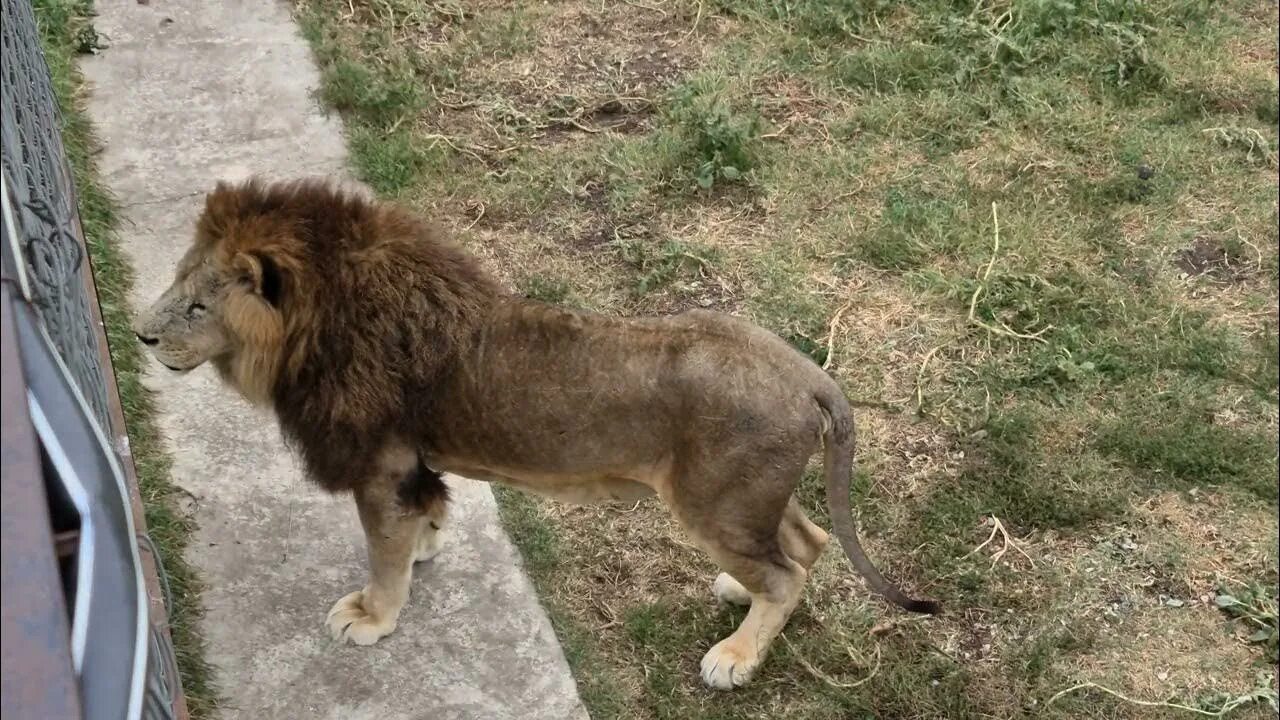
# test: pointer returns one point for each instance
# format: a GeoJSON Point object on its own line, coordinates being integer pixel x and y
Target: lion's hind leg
{"type": "Point", "coordinates": [430, 539]}
{"type": "Point", "coordinates": [773, 583]}
{"type": "Point", "coordinates": [735, 509]}
{"type": "Point", "coordinates": [801, 539]}
{"type": "Point", "coordinates": [423, 491]}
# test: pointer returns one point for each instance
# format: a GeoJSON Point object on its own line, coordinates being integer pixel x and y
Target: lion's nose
{"type": "Point", "coordinates": [147, 340]}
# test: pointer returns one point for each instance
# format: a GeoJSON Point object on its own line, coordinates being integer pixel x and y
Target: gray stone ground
{"type": "Point", "coordinates": [187, 92]}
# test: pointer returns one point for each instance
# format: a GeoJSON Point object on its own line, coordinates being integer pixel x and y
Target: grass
{"type": "Point", "coordinates": [1098, 372]}
{"type": "Point", "coordinates": [65, 31]}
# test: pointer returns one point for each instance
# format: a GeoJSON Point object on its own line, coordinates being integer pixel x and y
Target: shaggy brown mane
{"type": "Point", "coordinates": [361, 310]}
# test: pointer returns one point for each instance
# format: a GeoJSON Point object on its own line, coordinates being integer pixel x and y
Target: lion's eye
{"type": "Point", "coordinates": [195, 310]}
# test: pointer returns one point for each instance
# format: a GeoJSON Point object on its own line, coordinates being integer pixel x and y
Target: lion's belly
{"type": "Point", "coordinates": [573, 489]}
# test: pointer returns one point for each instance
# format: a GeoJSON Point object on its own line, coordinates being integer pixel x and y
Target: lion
{"type": "Point", "coordinates": [389, 356]}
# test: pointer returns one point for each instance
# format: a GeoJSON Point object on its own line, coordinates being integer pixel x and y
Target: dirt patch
{"type": "Point", "coordinates": [602, 227]}
{"type": "Point", "coordinates": [1166, 586]}
{"type": "Point", "coordinates": [1213, 537]}
{"type": "Point", "coordinates": [976, 643]}
{"type": "Point", "coordinates": [1207, 257]}
{"type": "Point", "coordinates": [787, 101]}
{"type": "Point", "coordinates": [597, 235]}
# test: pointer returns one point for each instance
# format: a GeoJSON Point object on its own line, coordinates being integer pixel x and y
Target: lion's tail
{"type": "Point", "coordinates": [839, 441]}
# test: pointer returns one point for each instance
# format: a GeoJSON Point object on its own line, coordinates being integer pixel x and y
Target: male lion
{"type": "Point", "coordinates": [389, 356]}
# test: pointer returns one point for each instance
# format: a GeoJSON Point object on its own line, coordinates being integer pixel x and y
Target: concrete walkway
{"type": "Point", "coordinates": [188, 92]}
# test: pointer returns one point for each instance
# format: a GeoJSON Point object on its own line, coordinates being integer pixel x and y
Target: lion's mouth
{"type": "Point", "coordinates": [175, 369]}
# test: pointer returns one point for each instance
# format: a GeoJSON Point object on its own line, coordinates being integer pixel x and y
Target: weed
{"type": "Point", "coordinates": [1254, 145]}
{"type": "Point", "coordinates": [549, 290]}
{"type": "Point", "coordinates": [1255, 605]}
{"type": "Point", "coordinates": [504, 36]}
{"type": "Point", "coordinates": [721, 143]}
{"type": "Point", "coordinates": [378, 97]}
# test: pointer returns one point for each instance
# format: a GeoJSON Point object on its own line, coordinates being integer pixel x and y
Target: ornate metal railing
{"type": "Point", "coordinates": [43, 198]}
{"type": "Point", "coordinates": [41, 195]}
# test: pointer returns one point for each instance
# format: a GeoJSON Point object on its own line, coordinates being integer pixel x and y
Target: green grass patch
{"type": "Point", "coordinates": [1177, 444]}
{"type": "Point", "coordinates": [389, 161]}
{"type": "Point", "coordinates": [914, 227]}
{"type": "Point", "coordinates": [547, 289]}
{"type": "Point", "coordinates": [66, 30]}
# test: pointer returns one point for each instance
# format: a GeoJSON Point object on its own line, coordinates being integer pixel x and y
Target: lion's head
{"type": "Point", "coordinates": [225, 305]}
{"type": "Point", "coordinates": [317, 300]}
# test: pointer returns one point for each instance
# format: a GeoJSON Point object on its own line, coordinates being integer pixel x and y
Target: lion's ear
{"type": "Point", "coordinates": [263, 274]}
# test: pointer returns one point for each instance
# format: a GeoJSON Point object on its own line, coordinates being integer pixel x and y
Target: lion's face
{"type": "Point", "coordinates": [224, 306]}
{"type": "Point", "coordinates": [186, 327]}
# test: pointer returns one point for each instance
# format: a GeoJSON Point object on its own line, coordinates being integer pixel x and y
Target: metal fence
{"type": "Point", "coordinates": [42, 197]}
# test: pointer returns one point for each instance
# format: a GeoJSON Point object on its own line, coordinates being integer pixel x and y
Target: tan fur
{"type": "Point", "coordinates": [389, 356]}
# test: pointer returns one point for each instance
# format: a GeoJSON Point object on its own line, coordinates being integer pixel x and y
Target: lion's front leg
{"type": "Point", "coordinates": [392, 535]}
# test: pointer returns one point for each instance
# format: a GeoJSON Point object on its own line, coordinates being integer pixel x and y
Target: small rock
{"type": "Point", "coordinates": [1146, 172]}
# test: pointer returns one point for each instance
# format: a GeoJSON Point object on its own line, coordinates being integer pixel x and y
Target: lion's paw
{"type": "Point", "coordinates": [728, 590]}
{"type": "Point", "coordinates": [348, 620]}
{"type": "Point", "coordinates": [729, 665]}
